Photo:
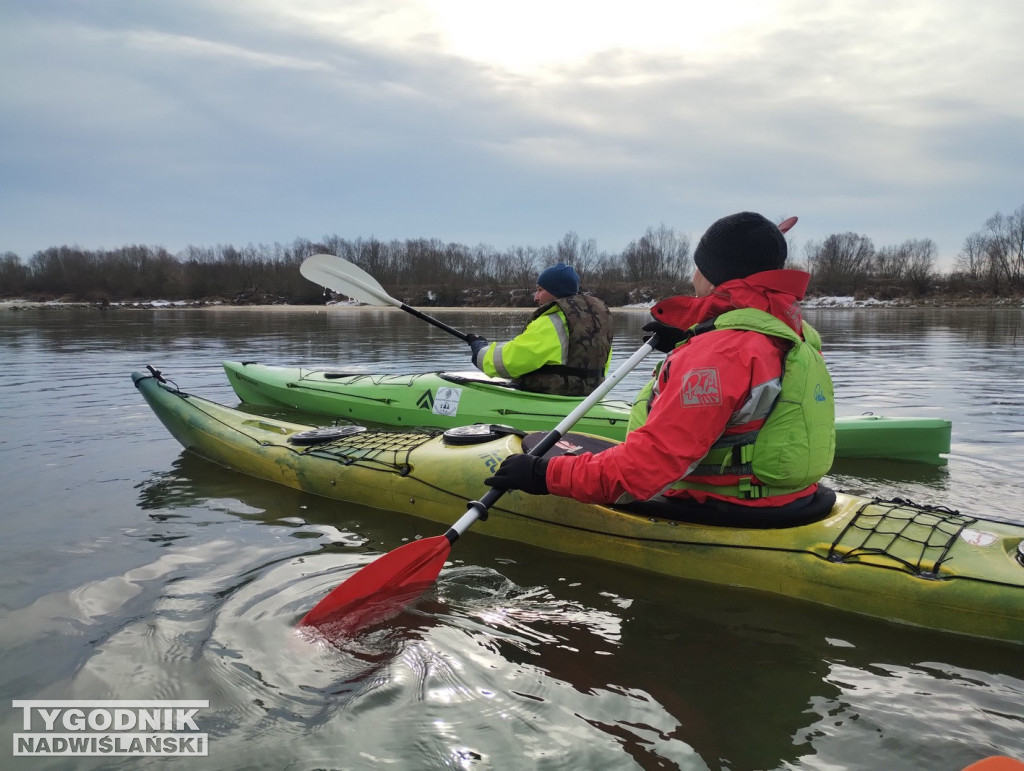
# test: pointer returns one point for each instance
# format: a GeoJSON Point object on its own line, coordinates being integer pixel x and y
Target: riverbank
{"type": "Point", "coordinates": [838, 302]}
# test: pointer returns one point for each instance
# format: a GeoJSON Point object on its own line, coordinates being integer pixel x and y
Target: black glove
{"type": "Point", "coordinates": [668, 337]}
{"type": "Point", "coordinates": [521, 472]}
{"type": "Point", "coordinates": [476, 342]}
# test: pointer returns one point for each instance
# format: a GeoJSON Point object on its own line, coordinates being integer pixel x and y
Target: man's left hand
{"type": "Point", "coordinates": [668, 337]}
{"type": "Point", "coordinates": [521, 472]}
{"type": "Point", "coordinates": [476, 342]}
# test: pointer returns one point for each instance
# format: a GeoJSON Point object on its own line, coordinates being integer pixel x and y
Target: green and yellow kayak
{"type": "Point", "coordinates": [925, 566]}
{"type": "Point", "coordinates": [450, 399]}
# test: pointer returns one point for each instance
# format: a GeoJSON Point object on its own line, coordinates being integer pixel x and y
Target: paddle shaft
{"type": "Point", "coordinates": [436, 322]}
{"type": "Point", "coordinates": [477, 509]}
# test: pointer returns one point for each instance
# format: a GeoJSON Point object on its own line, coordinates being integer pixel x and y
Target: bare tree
{"type": "Point", "coordinates": [911, 264]}
{"type": "Point", "coordinates": [890, 263]}
{"type": "Point", "coordinates": [973, 262]}
{"type": "Point", "coordinates": [841, 262]}
{"type": "Point", "coordinates": [13, 274]}
{"type": "Point", "coordinates": [516, 267]}
{"type": "Point", "coordinates": [660, 254]}
{"type": "Point", "coordinates": [580, 254]}
{"type": "Point", "coordinates": [920, 266]}
{"type": "Point", "coordinates": [995, 254]}
{"type": "Point", "coordinates": [568, 249]}
{"type": "Point", "coordinates": [375, 257]}
{"type": "Point", "coordinates": [1006, 245]}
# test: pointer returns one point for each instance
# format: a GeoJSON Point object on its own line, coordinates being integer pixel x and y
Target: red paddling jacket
{"type": "Point", "coordinates": [707, 389]}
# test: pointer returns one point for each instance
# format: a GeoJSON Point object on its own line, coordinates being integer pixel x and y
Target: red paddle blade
{"type": "Point", "coordinates": [996, 763]}
{"type": "Point", "coordinates": [786, 224]}
{"type": "Point", "coordinates": [382, 588]}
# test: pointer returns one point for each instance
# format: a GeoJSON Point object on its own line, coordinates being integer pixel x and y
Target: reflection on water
{"type": "Point", "coordinates": [133, 570]}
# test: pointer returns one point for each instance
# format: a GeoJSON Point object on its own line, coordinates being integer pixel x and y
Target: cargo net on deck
{"type": "Point", "coordinates": [901, 534]}
{"type": "Point", "coordinates": [382, 449]}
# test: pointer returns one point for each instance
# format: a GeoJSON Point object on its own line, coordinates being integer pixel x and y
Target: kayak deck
{"type": "Point", "coordinates": [926, 566]}
{"type": "Point", "coordinates": [449, 399]}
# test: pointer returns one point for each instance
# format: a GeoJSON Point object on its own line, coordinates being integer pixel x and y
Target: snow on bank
{"type": "Point", "coordinates": [839, 301]}
{"type": "Point", "coordinates": [145, 304]}
{"type": "Point", "coordinates": [813, 302]}
{"type": "Point", "coordinates": [845, 302]}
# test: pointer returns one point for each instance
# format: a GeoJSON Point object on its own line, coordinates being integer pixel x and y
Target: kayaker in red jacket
{"type": "Point", "coordinates": [714, 393]}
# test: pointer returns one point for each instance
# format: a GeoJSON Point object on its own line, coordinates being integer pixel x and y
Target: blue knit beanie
{"type": "Point", "coordinates": [561, 280]}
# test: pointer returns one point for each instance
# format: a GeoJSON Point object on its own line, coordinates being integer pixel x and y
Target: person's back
{"type": "Point", "coordinates": [723, 399]}
{"type": "Point", "coordinates": [565, 347]}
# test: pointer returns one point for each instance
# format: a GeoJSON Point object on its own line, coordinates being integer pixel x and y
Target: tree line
{"type": "Point", "coordinates": [991, 262]}
{"type": "Point", "coordinates": [433, 272]}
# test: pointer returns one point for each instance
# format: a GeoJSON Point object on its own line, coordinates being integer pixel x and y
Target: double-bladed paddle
{"type": "Point", "coordinates": [379, 589]}
{"type": "Point", "coordinates": [340, 275]}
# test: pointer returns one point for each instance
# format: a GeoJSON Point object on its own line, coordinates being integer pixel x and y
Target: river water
{"type": "Point", "coordinates": [131, 570]}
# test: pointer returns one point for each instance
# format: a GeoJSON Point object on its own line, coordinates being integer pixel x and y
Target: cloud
{"type": "Point", "coordinates": [506, 123]}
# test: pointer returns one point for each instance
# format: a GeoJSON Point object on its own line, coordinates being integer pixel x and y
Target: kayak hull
{"type": "Point", "coordinates": [929, 568]}
{"type": "Point", "coordinates": [446, 400]}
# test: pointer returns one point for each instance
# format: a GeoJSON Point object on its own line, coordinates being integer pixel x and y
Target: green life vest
{"type": "Point", "coordinates": [796, 443]}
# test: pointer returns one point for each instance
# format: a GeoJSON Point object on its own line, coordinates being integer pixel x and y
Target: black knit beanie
{"type": "Point", "coordinates": [738, 246]}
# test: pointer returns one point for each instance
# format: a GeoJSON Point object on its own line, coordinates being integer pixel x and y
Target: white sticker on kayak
{"type": "Point", "coordinates": [979, 537]}
{"type": "Point", "coordinates": [447, 401]}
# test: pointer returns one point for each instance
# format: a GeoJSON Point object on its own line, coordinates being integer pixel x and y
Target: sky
{"type": "Point", "coordinates": [189, 122]}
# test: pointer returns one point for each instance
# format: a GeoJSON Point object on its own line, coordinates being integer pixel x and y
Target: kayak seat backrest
{"type": "Point", "coordinates": [803, 512]}
{"type": "Point", "coordinates": [570, 444]}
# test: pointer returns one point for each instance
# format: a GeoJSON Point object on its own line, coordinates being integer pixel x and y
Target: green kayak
{"type": "Point", "coordinates": [449, 399]}
{"type": "Point", "coordinates": [926, 566]}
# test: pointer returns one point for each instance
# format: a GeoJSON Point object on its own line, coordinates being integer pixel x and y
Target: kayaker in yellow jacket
{"type": "Point", "coordinates": [565, 347]}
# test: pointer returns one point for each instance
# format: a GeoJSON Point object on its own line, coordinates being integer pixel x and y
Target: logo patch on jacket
{"type": "Point", "coordinates": [700, 387]}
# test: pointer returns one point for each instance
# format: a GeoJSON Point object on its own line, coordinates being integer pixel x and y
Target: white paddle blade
{"type": "Point", "coordinates": [340, 275]}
